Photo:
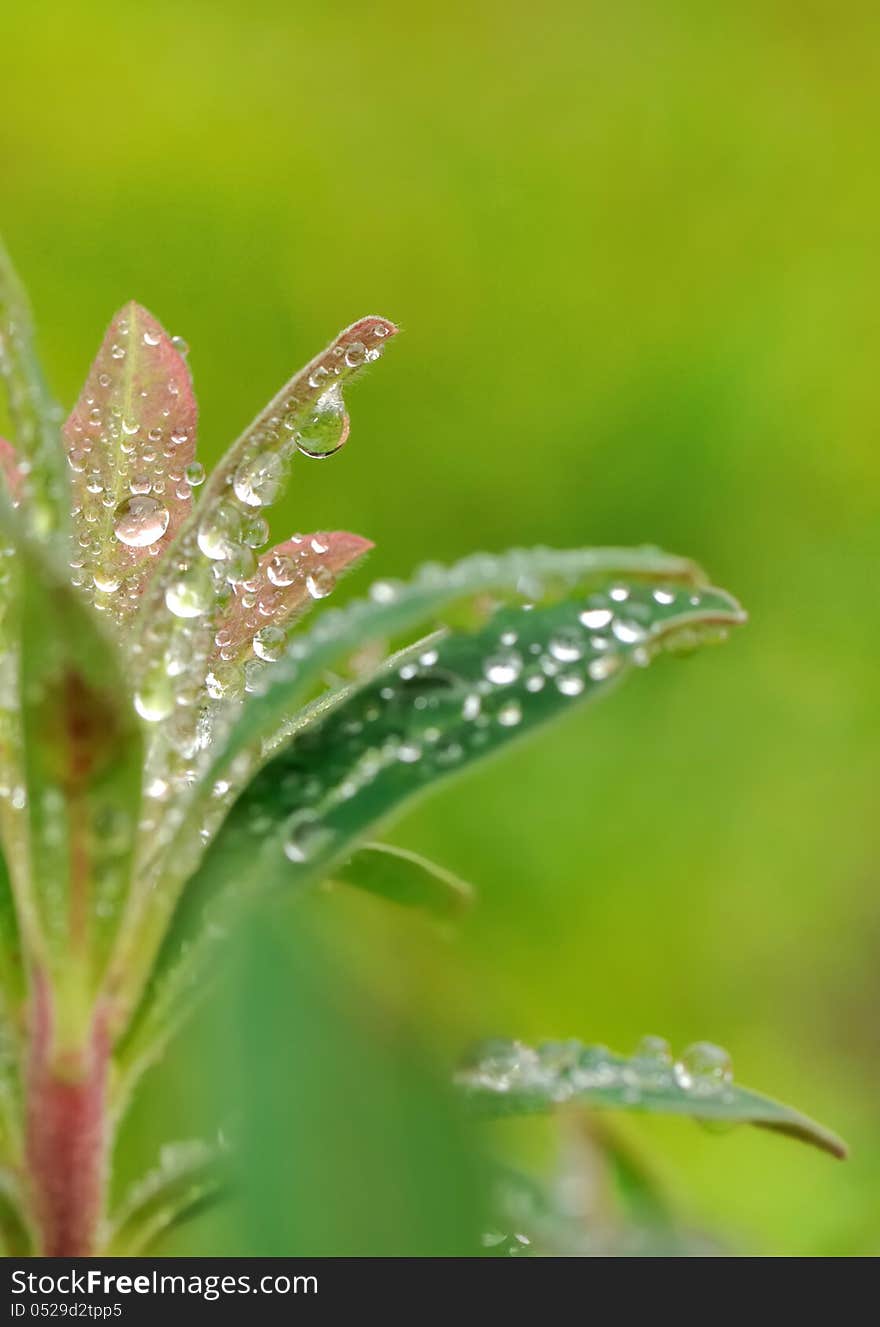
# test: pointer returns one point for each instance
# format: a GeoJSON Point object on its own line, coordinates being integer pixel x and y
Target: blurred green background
{"type": "Point", "coordinates": [633, 250]}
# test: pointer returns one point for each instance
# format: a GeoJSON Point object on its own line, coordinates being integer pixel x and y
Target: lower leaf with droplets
{"type": "Point", "coordinates": [509, 1078]}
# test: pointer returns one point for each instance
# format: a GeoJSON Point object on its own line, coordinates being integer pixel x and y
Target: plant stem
{"type": "Point", "coordinates": [66, 1132]}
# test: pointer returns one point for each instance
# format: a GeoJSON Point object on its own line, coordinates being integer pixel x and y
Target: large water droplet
{"type": "Point", "coordinates": [567, 645]}
{"type": "Point", "coordinates": [257, 482]}
{"type": "Point", "coordinates": [320, 582]}
{"type": "Point", "coordinates": [269, 643]}
{"type": "Point", "coordinates": [282, 570]}
{"type": "Point", "coordinates": [327, 429]}
{"type": "Point", "coordinates": [189, 596]}
{"type": "Point", "coordinates": [140, 520]}
{"type": "Point", "coordinates": [503, 668]}
{"type": "Point", "coordinates": [220, 531]}
{"type": "Point", "coordinates": [703, 1067]}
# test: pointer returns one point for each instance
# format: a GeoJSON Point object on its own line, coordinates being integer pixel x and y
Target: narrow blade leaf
{"type": "Point", "coordinates": [510, 1078]}
{"type": "Point", "coordinates": [535, 575]}
{"type": "Point", "coordinates": [432, 717]}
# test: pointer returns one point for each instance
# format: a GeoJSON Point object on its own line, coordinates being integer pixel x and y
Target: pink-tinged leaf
{"type": "Point", "coordinates": [130, 439]}
{"type": "Point", "coordinates": [289, 578]}
{"type": "Point", "coordinates": [13, 476]}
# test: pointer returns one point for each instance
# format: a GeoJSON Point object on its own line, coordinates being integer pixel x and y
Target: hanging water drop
{"type": "Point", "coordinates": [327, 429]}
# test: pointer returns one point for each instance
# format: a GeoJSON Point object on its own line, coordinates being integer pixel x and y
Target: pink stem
{"type": "Point", "coordinates": [66, 1139]}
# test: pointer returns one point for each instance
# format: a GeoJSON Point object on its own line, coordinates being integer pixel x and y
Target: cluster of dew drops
{"type": "Point", "coordinates": [218, 560]}
{"type": "Point", "coordinates": [559, 1070]}
{"type": "Point", "coordinates": [608, 631]}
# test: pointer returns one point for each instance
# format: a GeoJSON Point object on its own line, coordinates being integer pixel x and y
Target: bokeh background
{"type": "Point", "coordinates": [633, 248]}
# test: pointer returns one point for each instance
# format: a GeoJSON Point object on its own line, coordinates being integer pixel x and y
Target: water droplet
{"type": "Point", "coordinates": [320, 582]}
{"type": "Point", "coordinates": [220, 531]}
{"type": "Point", "coordinates": [151, 338]}
{"type": "Point", "coordinates": [305, 837]}
{"type": "Point", "coordinates": [327, 429]}
{"type": "Point", "coordinates": [567, 645]}
{"type": "Point", "coordinates": [384, 592]}
{"type": "Point", "coordinates": [570, 684]}
{"type": "Point", "coordinates": [664, 596]}
{"type": "Point", "coordinates": [269, 643]}
{"type": "Point", "coordinates": [189, 596]}
{"type": "Point", "coordinates": [105, 582]}
{"type": "Point", "coordinates": [155, 699]}
{"type": "Point", "coordinates": [503, 668]}
{"type": "Point", "coordinates": [180, 345]}
{"type": "Point", "coordinates": [194, 474]}
{"type": "Point", "coordinates": [594, 619]}
{"type": "Point", "coordinates": [603, 667]}
{"type": "Point", "coordinates": [258, 482]}
{"type": "Point", "coordinates": [281, 570]}
{"type": "Point", "coordinates": [140, 520]}
{"type": "Point", "coordinates": [510, 714]}
{"type": "Point", "coordinates": [703, 1067]}
{"type": "Point", "coordinates": [627, 631]}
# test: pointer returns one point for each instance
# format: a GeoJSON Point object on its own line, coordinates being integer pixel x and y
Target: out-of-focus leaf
{"type": "Point", "coordinates": [392, 1169]}
{"type": "Point", "coordinates": [130, 442]}
{"type": "Point", "coordinates": [11, 966]}
{"type": "Point", "coordinates": [405, 877]}
{"type": "Point", "coordinates": [82, 749]}
{"type": "Point", "coordinates": [11, 472]}
{"type": "Point", "coordinates": [509, 1078]}
{"type": "Point", "coordinates": [35, 417]}
{"type": "Point", "coordinates": [189, 1176]}
{"type": "Point", "coordinates": [15, 1238]}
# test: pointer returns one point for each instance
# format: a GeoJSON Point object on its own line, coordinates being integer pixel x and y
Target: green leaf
{"type": "Point", "coordinates": [189, 1177]}
{"type": "Point", "coordinates": [272, 714]}
{"type": "Point", "coordinates": [425, 720]}
{"type": "Point", "coordinates": [405, 877]}
{"type": "Point", "coordinates": [82, 764]}
{"type": "Point", "coordinates": [359, 755]}
{"type": "Point", "coordinates": [130, 439]}
{"type": "Point", "coordinates": [35, 417]}
{"type": "Point", "coordinates": [509, 1078]}
{"type": "Point", "coordinates": [534, 575]}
